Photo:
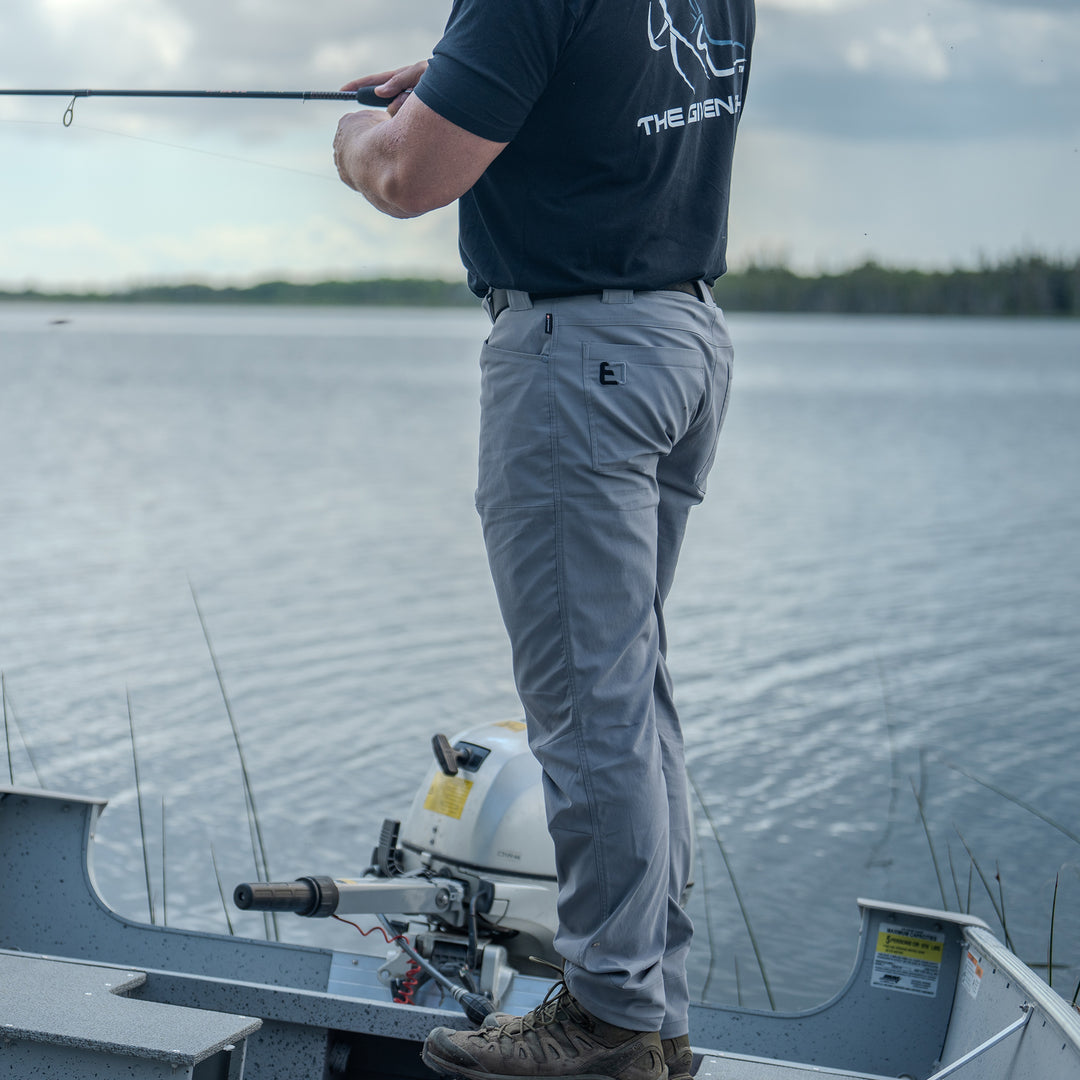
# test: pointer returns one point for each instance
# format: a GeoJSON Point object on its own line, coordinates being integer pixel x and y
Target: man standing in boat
{"type": "Point", "coordinates": [589, 146]}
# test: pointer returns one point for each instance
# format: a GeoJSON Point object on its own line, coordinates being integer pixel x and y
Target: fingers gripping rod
{"type": "Point", "coordinates": [364, 96]}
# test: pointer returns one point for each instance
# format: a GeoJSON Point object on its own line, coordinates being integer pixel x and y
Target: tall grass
{"type": "Point", "coordinates": [743, 910]}
{"type": "Point", "coordinates": [7, 730]}
{"type": "Point", "coordinates": [142, 815]}
{"type": "Point", "coordinates": [995, 889]}
{"type": "Point", "coordinates": [11, 724]}
{"type": "Point", "coordinates": [258, 846]}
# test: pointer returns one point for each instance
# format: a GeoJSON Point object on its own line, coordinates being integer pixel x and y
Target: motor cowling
{"type": "Point", "coordinates": [480, 811]}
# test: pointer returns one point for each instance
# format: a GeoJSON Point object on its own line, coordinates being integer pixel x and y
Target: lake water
{"type": "Point", "coordinates": [881, 595]}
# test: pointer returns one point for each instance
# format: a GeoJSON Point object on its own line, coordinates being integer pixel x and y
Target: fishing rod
{"type": "Point", "coordinates": [364, 96]}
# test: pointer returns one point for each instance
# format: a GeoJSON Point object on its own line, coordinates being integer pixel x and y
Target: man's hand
{"type": "Point", "coordinates": [407, 160]}
{"type": "Point", "coordinates": [396, 84]}
{"type": "Point", "coordinates": [348, 141]}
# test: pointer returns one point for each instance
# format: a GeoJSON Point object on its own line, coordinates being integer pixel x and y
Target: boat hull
{"type": "Point", "coordinates": [928, 989]}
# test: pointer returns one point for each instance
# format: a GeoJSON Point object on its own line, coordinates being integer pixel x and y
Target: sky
{"type": "Point", "coordinates": [918, 133]}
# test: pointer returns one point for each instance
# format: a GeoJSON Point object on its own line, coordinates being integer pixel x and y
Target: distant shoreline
{"type": "Point", "coordinates": [1026, 286]}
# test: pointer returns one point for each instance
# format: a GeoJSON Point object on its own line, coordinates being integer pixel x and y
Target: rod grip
{"type": "Point", "coordinates": [366, 96]}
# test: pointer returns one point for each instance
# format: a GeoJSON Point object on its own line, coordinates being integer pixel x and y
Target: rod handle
{"type": "Point", "coordinates": [366, 96]}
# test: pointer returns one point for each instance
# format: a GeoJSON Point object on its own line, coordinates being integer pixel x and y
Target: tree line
{"type": "Point", "coordinates": [1024, 286]}
{"type": "Point", "coordinates": [1032, 286]}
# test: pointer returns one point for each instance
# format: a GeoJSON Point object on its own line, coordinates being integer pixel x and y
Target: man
{"type": "Point", "coordinates": [589, 145]}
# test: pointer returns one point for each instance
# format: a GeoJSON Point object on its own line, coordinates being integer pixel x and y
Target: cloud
{"type": "Point", "coordinates": [811, 5]}
{"type": "Point", "coordinates": [824, 203]}
{"type": "Point", "coordinates": [310, 247]}
{"type": "Point", "coordinates": [911, 132]}
{"type": "Point", "coordinates": [95, 207]}
{"type": "Point", "coordinates": [915, 52]}
{"type": "Point", "coordinates": [146, 32]}
{"type": "Point", "coordinates": [207, 44]}
{"type": "Point", "coordinates": [1027, 5]}
{"type": "Point", "coordinates": [953, 68]}
{"type": "Point", "coordinates": [962, 69]}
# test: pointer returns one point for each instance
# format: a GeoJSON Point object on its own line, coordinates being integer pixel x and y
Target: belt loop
{"type": "Point", "coordinates": [705, 294]}
{"type": "Point", "coordinates": [617, 296]}
{"type": "Point", "coordinates": [498, 300]}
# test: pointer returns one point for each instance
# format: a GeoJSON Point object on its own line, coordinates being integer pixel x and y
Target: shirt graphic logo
{"type": "Point", "coordinates": [690, 43]}
{"type": "Point", "coordinates": [678, 28]}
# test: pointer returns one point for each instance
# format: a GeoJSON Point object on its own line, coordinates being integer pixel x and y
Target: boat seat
{"type": "Point", "coordinates": [719, 1066]}
{"type": "Point", "coordinates": [61, 1019]}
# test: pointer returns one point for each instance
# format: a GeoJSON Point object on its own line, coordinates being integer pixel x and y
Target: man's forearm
{"type": "Point", "coordinates": [411, 161]}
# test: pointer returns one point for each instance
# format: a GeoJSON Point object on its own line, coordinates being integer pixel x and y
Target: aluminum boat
{"type": "Point", "coordinates": [464, 886]}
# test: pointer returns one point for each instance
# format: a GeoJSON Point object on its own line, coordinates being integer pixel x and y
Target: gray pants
{"type": "Point", "coordinates": [599, 421]}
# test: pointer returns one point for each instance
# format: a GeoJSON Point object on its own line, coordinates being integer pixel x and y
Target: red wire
{"type": "Point", "coordinates": [409, 985]}
{"type": "Point", "coordinates": [364, 933]}
{"type": "Point", "coordinates": [410, 982]}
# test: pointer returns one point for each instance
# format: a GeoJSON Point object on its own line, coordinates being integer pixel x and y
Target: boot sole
{"type": "Point", "coordinates": [444, 1068]}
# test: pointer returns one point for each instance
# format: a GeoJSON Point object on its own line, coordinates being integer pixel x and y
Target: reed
{"type": "Point", "coordinates": [961, 903]}
{"type": "Point", "coordinates": [876, 858]}
{"type": "Point", "coordinates": [7, 730]}
{"type": "Point", "coordinates": [142, 816]}
{"type": "Point", "coordinates": [738, 894]}
{"type": "Point", "coordinates": [164, 880]}
{"type": "Point", "coordinates": [708, 929]}
{"type": "Point", "coordinates": [221, 891]}
{"type": "Point", "coordinates": [11, 723]}
{"type": "Point", "coordinates": [995, 890]}
{"type": "Point", "coordinates": [258, 847]}
{"type": "Point", "coordinates": [930, 842]}
{"type": "Point", "coordinates": [1001, 899]}
{"type": "Point", "coordinates": [999, 910]}
{"type": "Point", "coordinates": [1053, 920]}
{"type": "Point", "coordinates": [1017, 801]}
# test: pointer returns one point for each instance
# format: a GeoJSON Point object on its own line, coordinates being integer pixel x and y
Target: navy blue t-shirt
{"type": "Point", "coordinates": [621, 118]}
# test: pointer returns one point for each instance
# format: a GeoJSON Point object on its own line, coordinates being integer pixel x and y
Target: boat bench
{"type": "Point", "coordinates": [65, 1020]}
{"type": "Point", "coordinates": [716, 1066]}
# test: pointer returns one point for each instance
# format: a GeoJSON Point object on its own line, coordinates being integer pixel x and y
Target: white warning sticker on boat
{"type": "Point", "coordinates": [971, 973]}
{"type": "Point", "coordinates": [908, 959]}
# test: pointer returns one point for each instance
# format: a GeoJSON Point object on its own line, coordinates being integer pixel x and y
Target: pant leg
{"type": "Point", "coordinates": [681, 481]}
{"type": "Point", "coordinates": [582, 547]}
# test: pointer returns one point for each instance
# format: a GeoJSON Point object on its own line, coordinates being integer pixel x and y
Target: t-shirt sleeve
{"type": "Point", "coordinates": [494, 60]}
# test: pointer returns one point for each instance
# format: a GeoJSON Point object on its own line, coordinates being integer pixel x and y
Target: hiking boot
{"type": "Point", "coordinates": [678, 1057]}
{"type": "Point", "coordinates": [559, 1038]}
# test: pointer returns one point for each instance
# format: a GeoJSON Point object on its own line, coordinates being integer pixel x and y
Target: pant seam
{"type": "Point", "coordinates": [565, 629]}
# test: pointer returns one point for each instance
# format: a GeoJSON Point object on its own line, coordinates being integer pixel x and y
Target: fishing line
{"type": "Point", "coordinates": [181, 146]}
{"type": "Point", "coordinates": [209, 153]}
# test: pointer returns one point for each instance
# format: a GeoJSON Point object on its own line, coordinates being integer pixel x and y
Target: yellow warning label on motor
{"type": "Point", "coordinates": [447, 795]}
{"type": "Point", "coordinates": [513, 725]}
{"type": "Point", "coordinates": [917, 948]}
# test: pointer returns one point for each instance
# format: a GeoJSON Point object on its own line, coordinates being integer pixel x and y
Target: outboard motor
{"type": "Point", "coordinates": [470, 873]}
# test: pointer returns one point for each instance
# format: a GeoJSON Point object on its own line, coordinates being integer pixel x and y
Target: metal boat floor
{"type": "Point", "coordinates": [716, 1066]}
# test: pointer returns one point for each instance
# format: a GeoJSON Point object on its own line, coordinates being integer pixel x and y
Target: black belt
{"type": "Point", "coordinates": [499, 301]}
{"type": "Point", "coordinates": [689, 287]}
